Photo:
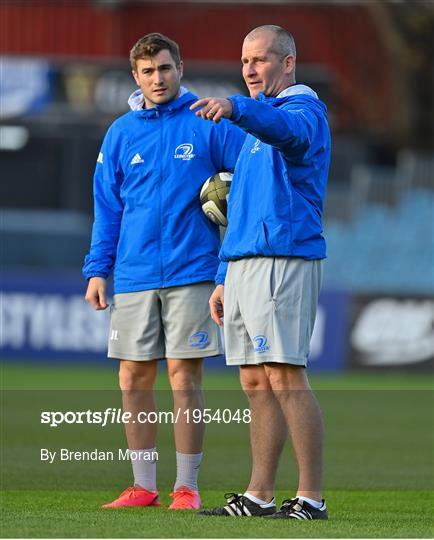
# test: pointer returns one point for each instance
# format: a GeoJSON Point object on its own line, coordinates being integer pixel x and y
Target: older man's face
{"type": "Point", "coordinates": [263, 70]}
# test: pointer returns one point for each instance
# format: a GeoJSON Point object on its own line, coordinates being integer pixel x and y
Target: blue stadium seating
{"type": "Point", "coordinates": [383, 249]}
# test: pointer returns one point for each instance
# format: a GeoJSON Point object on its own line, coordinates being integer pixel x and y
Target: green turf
{"type": "Point", "coordinates": [19, 375]}
{"type": "Point", "coordinates": [77, 514]}
{"type": "Point", "coordinates": [378, 459]}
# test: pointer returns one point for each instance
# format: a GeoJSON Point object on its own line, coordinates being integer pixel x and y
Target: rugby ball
{"type": "Point", "coordinates": [214, 197]}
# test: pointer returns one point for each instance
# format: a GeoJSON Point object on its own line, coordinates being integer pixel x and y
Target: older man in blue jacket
{"type": "Point", "coordinates": [150, 231]}
{"type": "Point", "coordinates": [272, 252]}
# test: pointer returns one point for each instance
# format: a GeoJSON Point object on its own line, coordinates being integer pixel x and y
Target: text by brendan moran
{"type": "Point", "coordinates": [121, 454]}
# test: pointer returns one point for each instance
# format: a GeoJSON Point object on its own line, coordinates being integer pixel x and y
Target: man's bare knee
{"type": "Point", "coordinates": [287, 377]}
{"type": "Point", "coordinates": [137, 375]}
{"type": "Point", "coordinates": [185, 375]}
{"type": "Point", "coordinates": [254, 381]}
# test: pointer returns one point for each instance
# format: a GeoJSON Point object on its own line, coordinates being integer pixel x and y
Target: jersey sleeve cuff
{"type": "Point", "coordinates": [95, 274]}
{"type": "Point", "coordinates": [237, 107]}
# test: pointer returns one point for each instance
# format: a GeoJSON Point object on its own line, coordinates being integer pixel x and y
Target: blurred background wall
{"type": "Point", "coordinates": [65, 77]}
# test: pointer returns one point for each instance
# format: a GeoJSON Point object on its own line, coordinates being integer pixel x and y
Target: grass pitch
{"type": "Point", "coordinates": [378, 477]}
{"type": "Point", "coordinates": [75, 514]}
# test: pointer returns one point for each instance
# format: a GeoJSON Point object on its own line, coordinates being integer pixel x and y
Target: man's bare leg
{"type": "Point", "coordinates": [304, 419]}
{"type": "Point", "coordinates": [136, 381]}
{"type": "Point", "coordinates": [268, 431]}
{"type": "Point", "coordinates": [185, 378]}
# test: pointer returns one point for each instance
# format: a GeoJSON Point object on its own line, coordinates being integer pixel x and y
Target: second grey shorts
{"type": "Point", "coordinates": [269, 310]}
{"type": "Point", "coordinates": [163, 323]}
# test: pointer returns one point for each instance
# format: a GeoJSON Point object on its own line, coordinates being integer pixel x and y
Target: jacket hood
{"type": "Point", "coordinates": [297, 93]}
{"type": "Point", "coordinates": [297, 89]}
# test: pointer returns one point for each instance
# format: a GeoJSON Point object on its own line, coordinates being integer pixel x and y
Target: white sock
{"type": "Point", "coordinates": [187, 470]}
{"type": "Point", "coordinates": [259, 501]}
{"type": "Point", "coordinates": [313, 502]}
{"type": "Point", "coordinates": [144, 470]}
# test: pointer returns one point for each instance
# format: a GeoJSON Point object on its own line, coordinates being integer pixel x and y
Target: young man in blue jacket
{"type": "Point", "coordinates": [273, 249]}
{"type": "Point", "coordinates": [150, 230]}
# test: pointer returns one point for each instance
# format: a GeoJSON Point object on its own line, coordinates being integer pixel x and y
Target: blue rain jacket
{"type": "Point", "coordinates": [149, 228]}
{"type": "Point", "coordinates": [277, 194]}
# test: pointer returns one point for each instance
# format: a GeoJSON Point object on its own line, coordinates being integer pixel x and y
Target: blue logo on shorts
{"type": "Point", "coordinates": [260, 344]}
{"type": "Point", "coordinates": [199, 340]}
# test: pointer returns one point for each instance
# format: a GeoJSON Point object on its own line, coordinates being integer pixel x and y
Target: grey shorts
{"type": "Point", "coordinates": [163, 323]}
{"type": "Point", "coordinates": [270, 308]}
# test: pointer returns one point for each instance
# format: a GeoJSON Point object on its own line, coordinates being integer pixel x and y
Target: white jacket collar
{"type": "Point", "coordinates": [298, 89]}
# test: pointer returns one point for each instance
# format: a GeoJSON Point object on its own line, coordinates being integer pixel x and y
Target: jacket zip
{"type": "Point", "coordinates": [160, 196]}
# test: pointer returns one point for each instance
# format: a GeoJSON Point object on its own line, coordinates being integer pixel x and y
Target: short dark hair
{"type": "Point", "coordinates": [283, 42]}
{"type": "Point", "coordinates": [150, 45]}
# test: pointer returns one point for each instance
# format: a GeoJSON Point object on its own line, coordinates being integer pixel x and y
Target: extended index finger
{"type": "Point", "coordinates": [200, 103]}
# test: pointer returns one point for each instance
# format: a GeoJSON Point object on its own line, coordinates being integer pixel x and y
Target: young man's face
{"type": "Point", "coordinates": [158, 77]}
{"type": "Point", "coordinates": [263, 70]}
